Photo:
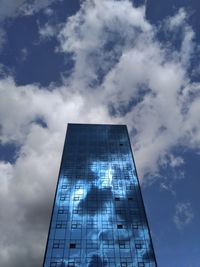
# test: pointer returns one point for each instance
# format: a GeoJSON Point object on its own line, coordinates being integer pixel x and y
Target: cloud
{"type": "Point", "coordinates": [30, 8]}
{"type": "Point", "coordinates": [47, 31]}
{"type": "Point", "coordinates": [177, 20]}
{"type": "Point", "coordinates": [122, 74]}
{"type": "Point", "coordinates": [28, 185]}
{"type": "Point", "coordinates": [97, 39]}
{"type": "Point", "coordinates": [30, 103]}
{"type": "Point", "coordinates": [24, 54]}
{"type": "Point", "coordinates": [119, 60]}
{"type": "Point", "coordinates": [183, 215]}
{"type": "Point", "coordinates": [10, 9]}
{"type": "Point", "coordinates": [172, 161]}
{"type": "Point", "coordinates": [179, 26]}
{"type": "Point", "coordinates": [87, 205]}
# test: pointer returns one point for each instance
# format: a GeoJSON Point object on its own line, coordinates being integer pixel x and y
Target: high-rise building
{"type": "Point", "coordinates": [98, 217]}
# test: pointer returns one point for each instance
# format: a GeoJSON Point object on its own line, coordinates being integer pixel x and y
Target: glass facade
{"type": "Point", "coordinates": [98, 218]}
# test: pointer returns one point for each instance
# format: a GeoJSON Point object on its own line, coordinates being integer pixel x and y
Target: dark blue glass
{"type": "Point", "coordinates": [98, 218]}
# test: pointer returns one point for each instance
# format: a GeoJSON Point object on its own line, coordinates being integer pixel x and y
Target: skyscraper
{"type": "Point", "coordinates": [98, 217]}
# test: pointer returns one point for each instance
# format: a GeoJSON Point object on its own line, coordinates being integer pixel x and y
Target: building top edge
{"type": "Point", "coordinates": [97, 124]}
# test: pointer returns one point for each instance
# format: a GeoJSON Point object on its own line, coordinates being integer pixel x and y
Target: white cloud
{"type": "Point", "coordinates": [47, 31]}
{"type": "Point", "coordinates": [166, 187]}
{"type": "Point", "coordinates": [48, 11]}
{"type": "Point", "coordinates": [177, 20]}
{"type": "Point", "coordinates": [171, 160]}
{"type": "Point", "coordinates": [8, 8]}
{"type": "Point", "coordinates": [29, 8]}
{"type": "Point", "coordinates": [183, 215]}
{"type": "Point", "coordinates": [11, 9]}
{"type": "Point", "coordinates": [137, 68]}
{"type": "Point", "coordinates": [176, 161]}
{"type": "Point", "coordinates": [27, 186]}
{"type": "Point", "coordinates": [179, 23]}
{"type": "Point", "coordinates": [21, 106]}
{"type": "Point", "coordinates": [88, 33]}
{"type": "Point", "coordinates": [111, 38]}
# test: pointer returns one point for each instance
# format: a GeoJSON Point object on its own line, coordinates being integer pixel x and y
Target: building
{"type": "Point", "coordinates": [98, 217]}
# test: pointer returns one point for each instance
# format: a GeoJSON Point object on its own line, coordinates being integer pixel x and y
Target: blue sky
{"type": "Point", "coordinates": [107, 61]}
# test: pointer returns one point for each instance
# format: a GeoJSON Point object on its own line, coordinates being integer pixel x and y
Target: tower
{"type": "Point", "coordinates": [98, 217]}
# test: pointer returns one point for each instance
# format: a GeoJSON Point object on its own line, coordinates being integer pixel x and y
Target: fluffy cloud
{"type": "Point", "coordinates": [28, 185]}
{"type": "Point", "coordinates": [10, 9]}
{"type": "Point", "coordinates": [121, 74]}
{"type": "Point", "coordinates": [47, 31]}
{"type": "Point", "coordinates": [142, 81]}
{"type": "Point", "coordinates": [21, 107]}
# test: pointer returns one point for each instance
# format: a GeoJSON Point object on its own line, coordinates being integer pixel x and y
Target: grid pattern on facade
{"type": "Point", "coordinates": [98, 217]}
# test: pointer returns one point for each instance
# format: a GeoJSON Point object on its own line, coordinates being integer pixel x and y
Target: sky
{"type": "Point", "coordinates": [121, 62]}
